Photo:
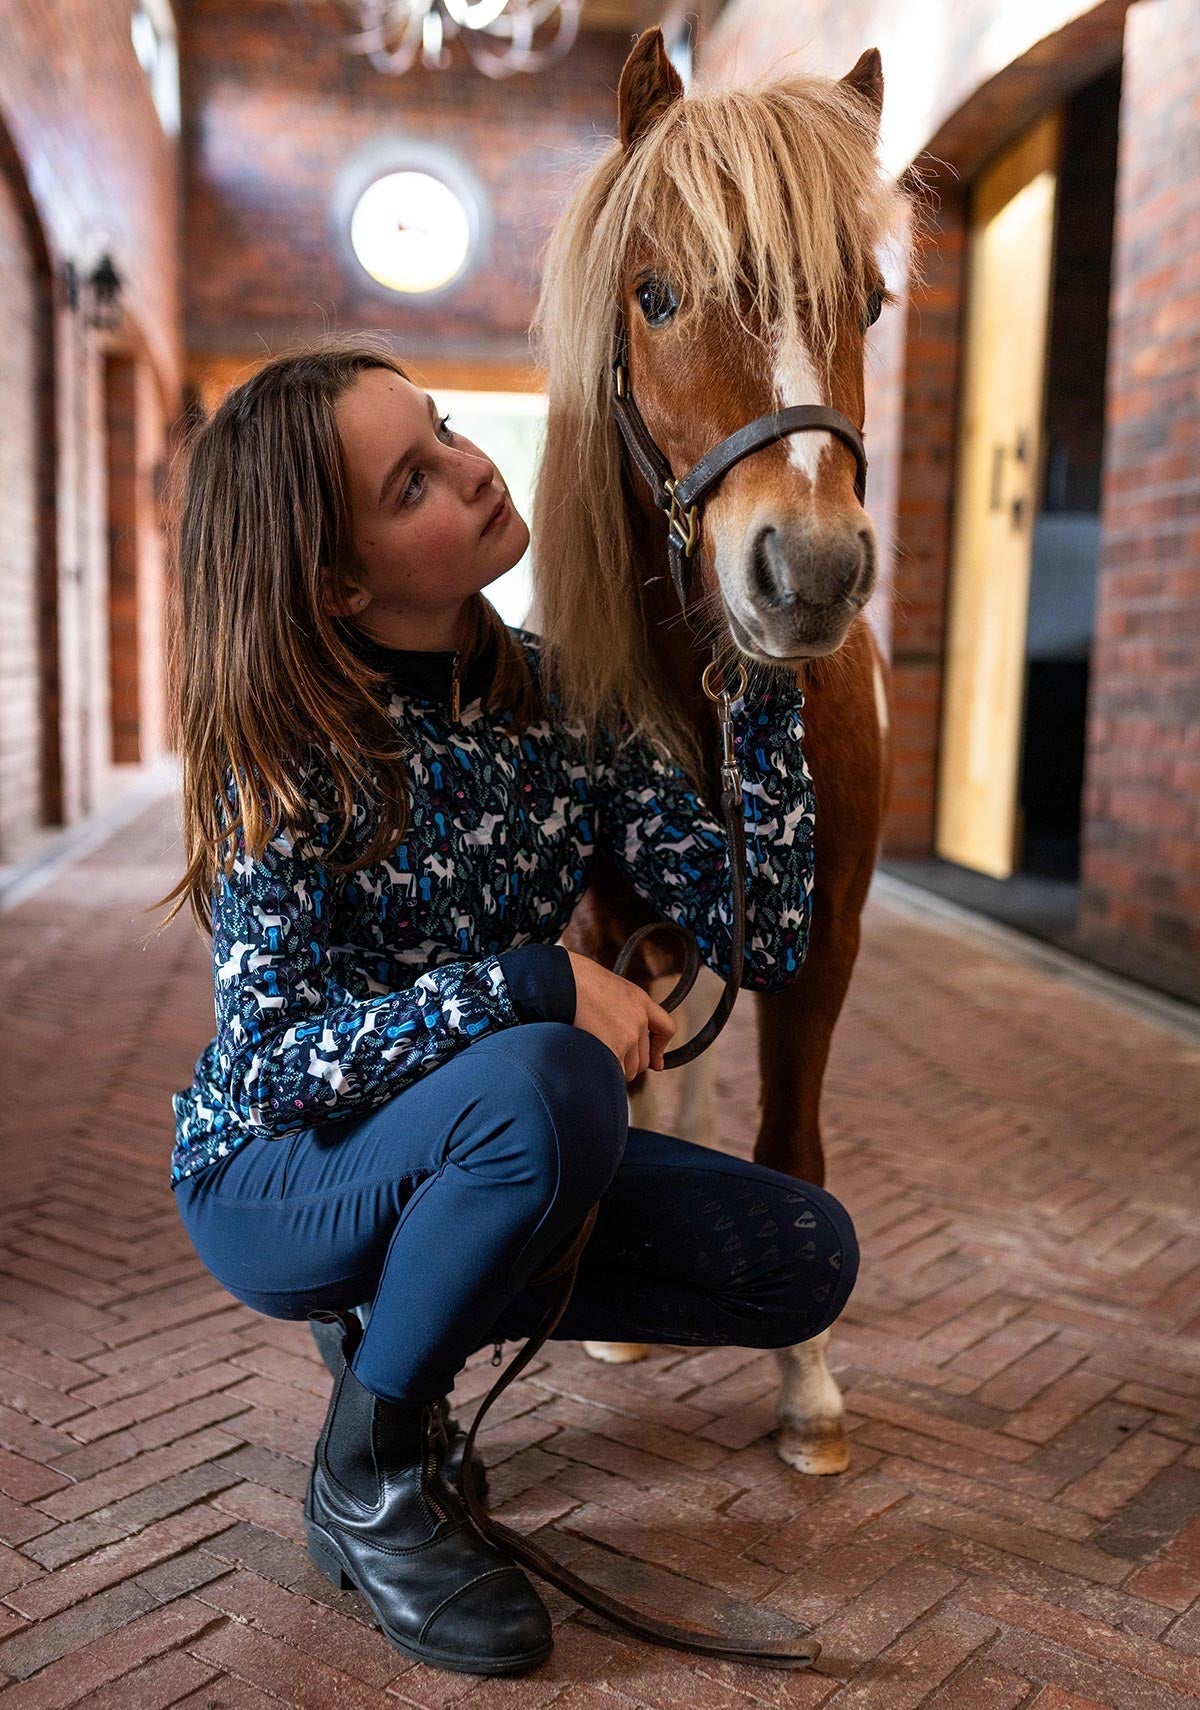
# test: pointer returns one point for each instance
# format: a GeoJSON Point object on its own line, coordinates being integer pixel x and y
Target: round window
{"type": "Point", "coordinates": [410, 231]}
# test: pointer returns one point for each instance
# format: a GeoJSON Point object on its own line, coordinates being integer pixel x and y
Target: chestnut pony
{"type": "Point", "coordinates": [736, 234]}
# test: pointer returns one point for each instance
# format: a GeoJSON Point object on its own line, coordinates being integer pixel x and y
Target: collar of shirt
{"type": "Point", "coordinates": [426, 674]}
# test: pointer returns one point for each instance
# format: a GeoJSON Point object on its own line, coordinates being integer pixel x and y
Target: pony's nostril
{"type": "Point", "coordinates": [862, 577]}
{"type": "Point", "coordinates": [761, 569]}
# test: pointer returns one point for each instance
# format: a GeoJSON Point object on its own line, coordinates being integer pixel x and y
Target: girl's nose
{"type": "Point", "coordinates": [482, 472]}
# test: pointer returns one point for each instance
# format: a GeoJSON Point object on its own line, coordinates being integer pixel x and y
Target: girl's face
{"type": "Point", "coordinates": [420, 496]}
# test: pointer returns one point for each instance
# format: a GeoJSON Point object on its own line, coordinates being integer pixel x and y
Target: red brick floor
{"type": "Point", "coordinates": [1021, 1524]}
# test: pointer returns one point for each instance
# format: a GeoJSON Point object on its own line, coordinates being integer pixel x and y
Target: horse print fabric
{"type": "Point", "coordinates": [332, 993]}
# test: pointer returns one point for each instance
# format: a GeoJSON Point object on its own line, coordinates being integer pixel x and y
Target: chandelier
{"type": "Point", "coordinates": [498, 34]}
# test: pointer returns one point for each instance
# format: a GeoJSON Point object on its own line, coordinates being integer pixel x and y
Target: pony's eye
{"type": "Point", "coordinates": [657, 301]}
{"type": "Point", "coordinates": [873, 309]}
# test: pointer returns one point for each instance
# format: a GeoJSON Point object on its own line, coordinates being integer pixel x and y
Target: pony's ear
{"type": "Point", "coordinates": [866, 79]}
{"type": "Point", "coordinates": [649, 83]}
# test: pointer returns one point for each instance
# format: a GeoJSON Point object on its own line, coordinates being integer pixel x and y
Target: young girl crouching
{"type": "Point", "coordinates": [414, 1094]}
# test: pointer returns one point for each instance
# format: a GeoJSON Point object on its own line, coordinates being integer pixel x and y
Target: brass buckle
{"type": "Point", "coordinates": [685, 523]}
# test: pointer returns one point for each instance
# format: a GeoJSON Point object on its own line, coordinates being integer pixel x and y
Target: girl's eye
{"type": "Point", "coordinates": [404, 497]}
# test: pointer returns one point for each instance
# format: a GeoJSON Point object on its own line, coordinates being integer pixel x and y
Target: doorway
{"type": "Point", "coordinates": [1066, 531]}
{"type": "Point", "coordinates": [1027, 523]}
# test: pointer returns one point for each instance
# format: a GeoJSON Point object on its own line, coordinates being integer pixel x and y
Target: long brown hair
{"type": "Point", "coordinates": [259, 672]}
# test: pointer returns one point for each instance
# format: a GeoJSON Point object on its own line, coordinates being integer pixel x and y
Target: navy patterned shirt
{"type": "Point", "coordinates": [333, 993]}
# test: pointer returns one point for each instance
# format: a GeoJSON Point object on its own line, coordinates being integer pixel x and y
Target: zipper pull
{"type": "Point", "coordinates": [432, 1460]}
{"type": "Point", "coordinates": [497, 1356]}
{"type": "Point", "coordinates": [454, 689]}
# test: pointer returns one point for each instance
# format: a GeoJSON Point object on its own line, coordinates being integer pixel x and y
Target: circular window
{"type": "Point", "coordinates": [411, 232]}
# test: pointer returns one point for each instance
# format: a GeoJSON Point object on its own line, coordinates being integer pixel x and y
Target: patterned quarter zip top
{"type": "Point", "coordinates": [334, 993]}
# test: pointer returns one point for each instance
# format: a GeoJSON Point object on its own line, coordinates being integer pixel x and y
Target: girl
{"type": "Point", "coordinates": [414, 1094]}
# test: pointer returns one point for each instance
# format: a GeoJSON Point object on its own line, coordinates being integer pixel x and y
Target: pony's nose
{"type": "Point", "coordinates": [814, 568]}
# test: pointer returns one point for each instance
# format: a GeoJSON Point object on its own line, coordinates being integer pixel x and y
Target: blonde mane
{"type": "Point", "coordinates": [774, 187]}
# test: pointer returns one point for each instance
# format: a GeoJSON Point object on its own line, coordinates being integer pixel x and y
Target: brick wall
{"type": "Point", "coordinates": [275, 109]}
{"type": "Point", "coordinates": [924, 487]}
{"type": "Point", "coordinates": [1141, 871]}
{"type": "Point", "coordinates": [83, 151]}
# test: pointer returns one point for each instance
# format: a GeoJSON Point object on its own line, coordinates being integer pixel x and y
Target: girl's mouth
{"type": "Point", "coordinates": [496, 518]}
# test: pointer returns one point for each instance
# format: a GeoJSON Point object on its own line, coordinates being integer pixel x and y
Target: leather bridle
{"type": "Point", "coordinates": [747, 1638]}
{"type": "Point", "coordinates": [683, 500]}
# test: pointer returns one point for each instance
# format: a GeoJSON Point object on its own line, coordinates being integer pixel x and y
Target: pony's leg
{"type": "Point", "coordinates": [848, 750]}
{"type": "Point", "coordinates": [811, 1415]}
{"type": "Point", "coordinates": [696, 1115]}
{"type": "Point", "coordinates": [646, 1105]}
{"type": "Point", "coordinates": [795, 1033]}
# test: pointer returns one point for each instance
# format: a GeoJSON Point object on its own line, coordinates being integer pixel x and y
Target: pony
{"type": "Point", "coordinates": [736, 235]}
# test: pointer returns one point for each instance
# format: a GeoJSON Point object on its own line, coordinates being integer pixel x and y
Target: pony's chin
{"type": "Point", "coordinates": [796, 655]}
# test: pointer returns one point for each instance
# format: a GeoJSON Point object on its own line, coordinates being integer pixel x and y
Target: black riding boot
{"type": "Point", "coordinates": [330, 1332]}
{"type": "Point", "coordinates": [382, 1518]}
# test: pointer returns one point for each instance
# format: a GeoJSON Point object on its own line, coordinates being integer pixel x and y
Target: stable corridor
{"type": "Point", "coordinates": [1021, 1523]}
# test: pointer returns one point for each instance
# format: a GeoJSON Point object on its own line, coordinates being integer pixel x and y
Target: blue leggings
{"type": "Point", "coordinates": [437, 1206]}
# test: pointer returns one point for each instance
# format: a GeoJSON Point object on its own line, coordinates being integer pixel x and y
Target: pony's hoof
{"type": "Point", "coordinates": [816, 1450]}
{"type": "Point", "coordinates": [616, 1353]}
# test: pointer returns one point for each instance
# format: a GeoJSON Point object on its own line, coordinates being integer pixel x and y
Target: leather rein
{"type": "Point", "coordinates": [682, 501]}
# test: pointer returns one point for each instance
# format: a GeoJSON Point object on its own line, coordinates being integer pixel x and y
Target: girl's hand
{"type": "Point", "coordinates": [634, 1027]}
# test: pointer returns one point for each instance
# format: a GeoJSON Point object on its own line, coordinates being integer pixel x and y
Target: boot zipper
{"type": "Point", "coordinates": [430, 1464]}
{"type": "Point", "coordinates": [454, 689]}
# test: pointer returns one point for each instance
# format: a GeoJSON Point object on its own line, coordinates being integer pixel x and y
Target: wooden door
{"type": "Point", "coordinates": [1009, 262]}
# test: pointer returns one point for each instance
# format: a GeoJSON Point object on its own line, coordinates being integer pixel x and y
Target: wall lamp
{"type": "Point", "coordinates": [100, 290]}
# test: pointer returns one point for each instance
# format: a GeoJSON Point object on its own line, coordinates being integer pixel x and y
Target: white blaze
{"type": "Point", "coordinates": [796, 382]}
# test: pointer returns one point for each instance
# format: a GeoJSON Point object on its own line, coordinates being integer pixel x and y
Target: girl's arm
{"type": "Point", "coordinates": [298, 1048]}
{"type": "Point", "coordinates": [673, 850]}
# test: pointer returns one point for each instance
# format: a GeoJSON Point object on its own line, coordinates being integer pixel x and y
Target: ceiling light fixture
{"type": "Point", "coordinates": [497, 34]}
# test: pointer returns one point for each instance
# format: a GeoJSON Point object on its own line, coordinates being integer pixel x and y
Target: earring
{"type": "Point", "coordinates": [362, 603]}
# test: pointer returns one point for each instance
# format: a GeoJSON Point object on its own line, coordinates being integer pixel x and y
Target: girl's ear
{"type": "Point", "coordinates": [353, 601]}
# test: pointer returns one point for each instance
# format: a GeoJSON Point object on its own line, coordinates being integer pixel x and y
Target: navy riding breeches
{"type": "Point", "coordinates": [437, 1206]}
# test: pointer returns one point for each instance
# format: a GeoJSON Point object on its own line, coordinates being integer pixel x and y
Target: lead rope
{"type": "Point", "coordinates": [795, 1649]}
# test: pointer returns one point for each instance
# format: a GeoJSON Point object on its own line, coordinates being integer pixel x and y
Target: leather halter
{"type": "Point", "coordinates": [683, 500]}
